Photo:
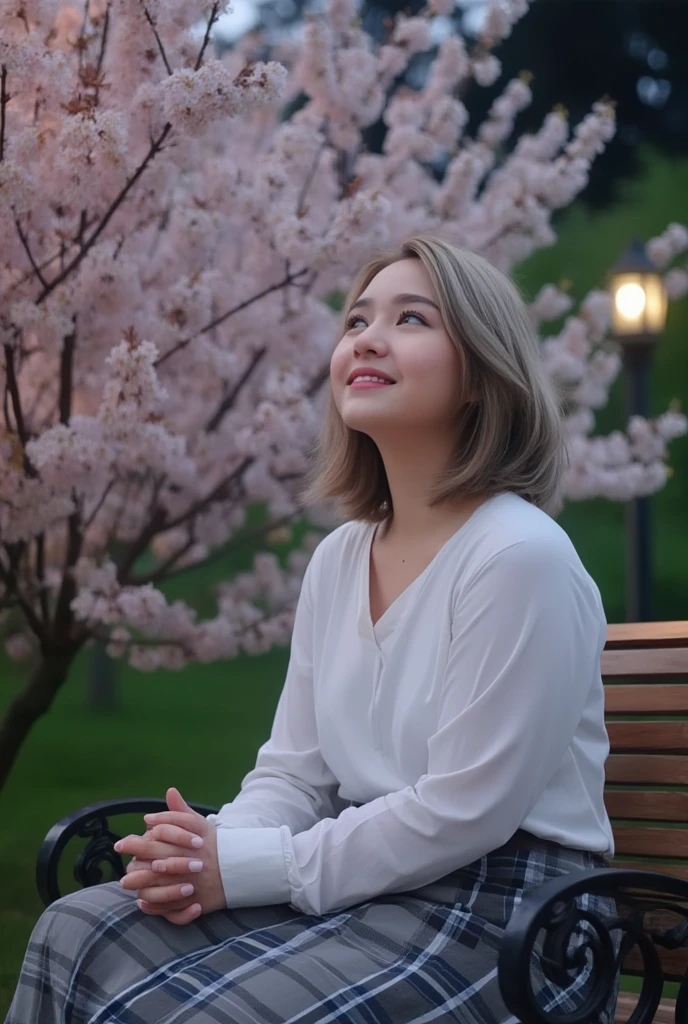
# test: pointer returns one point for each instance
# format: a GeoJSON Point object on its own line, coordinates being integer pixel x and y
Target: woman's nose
{"type": "Point", "coordinates": [370, 340]}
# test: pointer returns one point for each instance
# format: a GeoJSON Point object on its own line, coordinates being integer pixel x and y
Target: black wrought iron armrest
{"type": "Point", "coordinates": [548, 916]}
{"type": "Point", "coordinates": [91, 823]}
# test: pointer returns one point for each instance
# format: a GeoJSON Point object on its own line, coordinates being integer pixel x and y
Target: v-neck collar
{"type": "Point", "coordinates": [394, 612]}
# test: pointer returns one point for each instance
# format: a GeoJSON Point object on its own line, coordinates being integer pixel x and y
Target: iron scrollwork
{"type": "Point", "coordinates": [91, 823]}
{"type": "Point", "coordinates": [551, 930]}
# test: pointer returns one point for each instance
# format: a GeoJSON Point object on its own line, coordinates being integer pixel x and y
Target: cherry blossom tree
{"type": "Point", "coordinates": [177, 230]}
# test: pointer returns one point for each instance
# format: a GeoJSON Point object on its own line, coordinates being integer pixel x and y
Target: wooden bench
{"type": "Point", "coordinates": [646, 794]}
{"type": "Point", "coordinates": [645, 670]}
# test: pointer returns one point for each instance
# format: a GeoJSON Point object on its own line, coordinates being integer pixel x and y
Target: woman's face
{"type": "Point", "coordinates": [395, 328]}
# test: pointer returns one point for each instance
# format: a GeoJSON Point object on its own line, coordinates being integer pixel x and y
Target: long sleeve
{"type": "Point", "coordinates": [527, 633]}
{"type": "Point", "coordinates": [290, 785]}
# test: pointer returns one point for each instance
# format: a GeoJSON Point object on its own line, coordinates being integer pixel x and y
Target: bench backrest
{"type": "Point", "coordinates": [645, 670]}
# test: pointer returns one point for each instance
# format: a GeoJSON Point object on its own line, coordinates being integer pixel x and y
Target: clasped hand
{"type": "Point", "coordinates": [175, 868]}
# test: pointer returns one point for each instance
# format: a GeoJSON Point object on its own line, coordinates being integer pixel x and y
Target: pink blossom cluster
{"type": "Point", "coordinates": [662, 250]}
{"type": "Point", "coordinates": [175, 240]}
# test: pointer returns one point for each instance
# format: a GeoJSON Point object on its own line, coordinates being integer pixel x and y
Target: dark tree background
{"type": "Point", "coordinates": [633, 51]}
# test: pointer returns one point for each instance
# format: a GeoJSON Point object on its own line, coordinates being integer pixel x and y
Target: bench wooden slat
{"type": "Point", "coordinates": [649, 842]}
{"type": "Point", "coordinates": [647, 634]}
{"type": "Point", "coordinates": [649, 737]}
{"type": "Point", "coordinates": [658, 661]}
{"type": "Point", "coordinates": [646, 699]}
{"type": "Point", "coordinates": [674, 962]}
{"type": "Point", "coordinates": [648, 753]}
{"type": "Point", "coordinates": [675, 870]}
{"type": "Point", "coordinates": [644, 805]}
{"type": "Point", "coordinates": [627, 1002]}
{"type": "Point", "coordinates": [648, 769]}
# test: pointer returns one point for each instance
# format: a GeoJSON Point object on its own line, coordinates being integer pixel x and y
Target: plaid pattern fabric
{"type": "Point", "coordinates": [428, 955]}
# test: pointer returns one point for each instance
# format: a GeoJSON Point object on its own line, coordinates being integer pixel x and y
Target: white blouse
{"type": "Point", "coordinates": [474, 707]}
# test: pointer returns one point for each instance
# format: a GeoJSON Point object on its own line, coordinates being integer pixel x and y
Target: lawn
{"type": "Point", "coordinates": [200, 729]}
{"type": "Point", "coordinates": [197, 730]}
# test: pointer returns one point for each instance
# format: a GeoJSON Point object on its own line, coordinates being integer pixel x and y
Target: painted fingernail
{"type": "Point", "coordinates": [196, 909]}
{"type": "Point", "coordinates": [118, 846]}
{"type": "Point", "coordinates": [186, 889]}
{"type": "Point", "coordinates": [197, 841]}
{"type": "Point", "coordinates": [195, 865]}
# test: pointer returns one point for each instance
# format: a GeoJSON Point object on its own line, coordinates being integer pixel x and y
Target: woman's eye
{"type": "Point", "coordinates": [354, 321]}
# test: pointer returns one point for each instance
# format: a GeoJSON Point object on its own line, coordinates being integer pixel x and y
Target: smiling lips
{"type": "Point", "coordinates": [369, 381]}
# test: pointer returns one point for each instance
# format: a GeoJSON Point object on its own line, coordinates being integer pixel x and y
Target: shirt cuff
{"type": "Point", "coordinates": [253, 865]}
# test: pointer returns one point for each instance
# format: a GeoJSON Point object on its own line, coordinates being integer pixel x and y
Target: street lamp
{"type": "Point", "coordinates": [638, 318]}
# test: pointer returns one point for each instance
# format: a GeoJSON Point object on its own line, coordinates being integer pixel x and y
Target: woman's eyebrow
{"type": "Point", "coordinates": [397, 299]}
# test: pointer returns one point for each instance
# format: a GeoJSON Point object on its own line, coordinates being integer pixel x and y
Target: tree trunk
{"type": "Point", "coordinates": [31, 704]}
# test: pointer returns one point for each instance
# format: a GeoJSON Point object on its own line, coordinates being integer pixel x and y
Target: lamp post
{"type": "Point", "coordinates": [638, 318]}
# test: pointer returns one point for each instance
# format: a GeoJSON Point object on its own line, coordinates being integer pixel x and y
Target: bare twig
{"type": "Point", "coordinates": [12, 586]}
{"type": "Point", "coordinates": [289, 279]}
{"type": "Point", "coordinates": [158, 40]}
{"type": "Point", "coordinates": [155, 525]}
{"type": "Point", "coordinates": [63, 612]}
{"type": "Point", "coordinates": [218, 493]}
{"type": "Point", "coordinates": [309, 179]}
{"type": "Point", "coordinates": [237, 544]}
{"type": "Point", "coordinates": [99, 504]}
{"type": "Point", "coordinates": [103, 44]}
{"type": "Point", "coordinates": [4, 100]}
{"type": "Point", "coordinates": [25, 242]}
{"type": "Point", "coordinates": [206, 38]}
{"type": "Point", "coordinates": [67, 375]}
{"type": "Point", "coordinates": [230, 398]}
{"type": "Point", "coordinates": [47, 261]}
{"type": "Point", "coordinates": [13, 388]}
{"type": "Point", "coordinates": [161, 573]}
{"type": "Point", "coordinates": [40, 576]}
{"type": "Point", "coordinates": [156, 146]}
{"type": "Point", "coordinates": [82, 34]}
{"type": "Point", "coordinates": [159, 521]}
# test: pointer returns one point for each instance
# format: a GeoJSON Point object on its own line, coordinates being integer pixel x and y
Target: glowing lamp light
{"type": "Point", "coordinates": [639, 295]}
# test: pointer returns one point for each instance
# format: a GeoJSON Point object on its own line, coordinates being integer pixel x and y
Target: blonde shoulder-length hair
{"type": "Point", "coordinates": [509, 435]}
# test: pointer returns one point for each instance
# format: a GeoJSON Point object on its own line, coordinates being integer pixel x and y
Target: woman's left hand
{"type": "Point", "coordinates": [167, 858]}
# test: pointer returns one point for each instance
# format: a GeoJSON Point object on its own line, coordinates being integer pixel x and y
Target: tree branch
{"type": "Point", "coordinates": [155, 148]}
{"type": "Point", "coordinates": [159, 522]}
{"type": "Point", "coordinates": [103, 44]}
{"type": "Point", "coordinates": [154, 526]}
{"type": "Point", "coordinates": [158, 40]}
{"type": "Point", "coordinates": [12, 587]}
{"type": "Point", "coordinates": [47, 261]}
{"type": "Point", "coordinates": [99, 504]}
{"type": "Point", "coordinates": [63, 613]}
{"type": "Point", "coordinates": [237, 544]}
{"type": "Point", "coordinates": [206, 39]}
{"type": "Point", "coordinates": [67, 375]}
{"type": "Point", "coordinates": [4, 100]}
{"type": "Point", "coordinates": [309, 179]}
{"type": "Point", "coordinates": [217, 494]}
{"type": "Point", "coordinates": [27, 250]}
{"type": "Point", "coordinates": [13, 388]}
{"type": "Point", "coordinates": [161, 573]}
{"type": "Point", "coordinates": [40, 576]}
{"type": "Point", "coordinates": [289, 279]}
{"type": "Point", "coordinates": [228, 401]}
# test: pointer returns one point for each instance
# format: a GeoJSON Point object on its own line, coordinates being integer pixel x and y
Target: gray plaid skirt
{"type": "Point", "coordinates": [421, 956]}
